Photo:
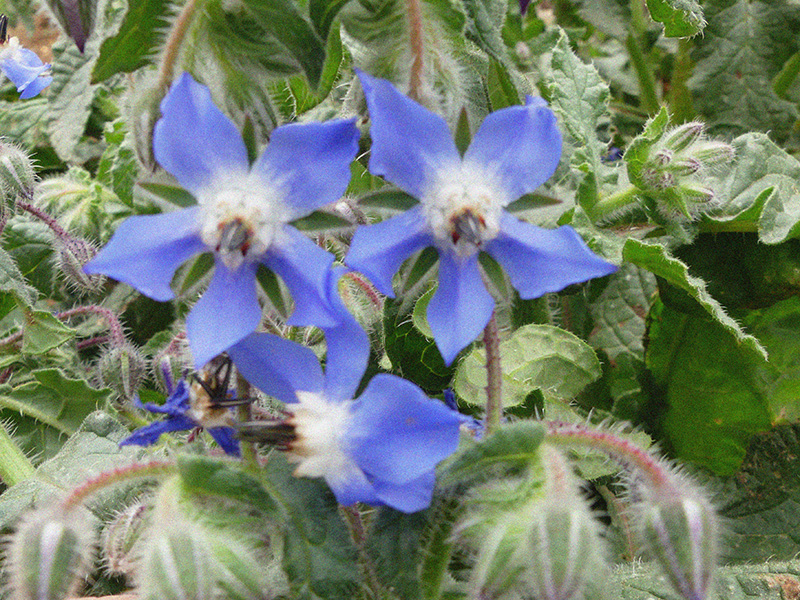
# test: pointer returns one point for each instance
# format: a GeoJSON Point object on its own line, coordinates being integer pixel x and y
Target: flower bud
{"type": "Point", "coordinates": [683, 136]}
{"type": "Point", "coordinates": [681, 532]}
{"type": "Point", "coordinates": [122, 537]}
{"type": "Point", "coordinates": [73, 255]}
{"type": "Point", "coordinates": [694, 193]}
{"type": "Point", "coordinates": [122, 368]}
{"type": "Point", "coordinates": [685, 167]}
{"type": "Point", "coordinates": [177, 565]}
{"type": "Point", "coordinates": [713, 153]}
{"type": "Point", "coordinates": [17, 177]}
{"type": "Point", "coordinates": [48, 556]}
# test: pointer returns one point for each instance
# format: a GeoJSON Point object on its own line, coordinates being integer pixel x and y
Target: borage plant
{"type": "Point", "coordinates": [387, 300]}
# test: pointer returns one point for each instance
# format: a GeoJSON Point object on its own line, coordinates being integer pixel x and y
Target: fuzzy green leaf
{"type": "Point", "coordinates": [118, 168]}
{"type": "Point", "coordinates": [42, 332]}
{"type": "Point", "coordinates": [657, 260]}
{"type": "Point", "coordinates": [536, 357]}
{"type": "Point", "coordinates": [743, 47]}
{"type": "Point", "coordinates": [136, 43]}
{"type": "Point", "coordinates": [681, 18]}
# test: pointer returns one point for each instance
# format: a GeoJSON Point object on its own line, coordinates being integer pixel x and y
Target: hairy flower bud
{"type": "Point", "coordinates": [48, 556]}
{"type": "Point", "coordinates": [73, 254]}
{"type": "Point", "coordinates": [122, 537]}
{"type": "Point", "coordinates": [712, 153]}
{"type": "Point", "coordinates": [683, 136]}
{"type": "Point", "coordinates": [177, 564]}
{"type": "Point", "coordinates": [680, 530]}
{"type": "Point", "coordinates": [122, 368]}
{"type": "Point", "coordinates": [17, 178]}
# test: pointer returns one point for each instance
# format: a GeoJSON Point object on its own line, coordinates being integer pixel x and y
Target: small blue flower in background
{"type": "Point", "coordinates": [461, 210]}
{"type": "Point", "coordinates": [24, 68]}
{"type": "Point", "coordinates": [188, 407]}
{"type": "Point", "coordinates": [242, 217]}
{"type": "Point", "coordinates": [381, 448]}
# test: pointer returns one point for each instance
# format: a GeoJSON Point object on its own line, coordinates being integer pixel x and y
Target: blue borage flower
{"type": "Point", "coordinates": [187, 407]}
{"type": "Point", "coordinates": [380, 448]}
{"type": "Point", "coordinates": [25, 69]}
{"type": "Point", "coordinates": [242, 217]}
{"type": "Point", "coordinates": [461, 210]}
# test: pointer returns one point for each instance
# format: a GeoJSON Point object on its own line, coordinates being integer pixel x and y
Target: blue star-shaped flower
{"type": "Point", "coordinates": [185, 410]}
{"type": "Point", "coordinates": [380, 448]}
{"type": "Point", "coordinates": [461, 209]}
{"type": "Point", "coordinates": [242, 217]}
{"type": "Point", "coordinates": [25, 69]}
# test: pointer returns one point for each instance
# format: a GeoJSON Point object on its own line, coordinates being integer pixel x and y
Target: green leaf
{"type": "Point", "coordinates": [118, 168]}
{"type": "Point", "coordinates": [14, 465]}
{"type": "Point", "coordinates": [25, 122]}
{"type": "Point", "coordinates": [681, 18]}
{"type": "Point", "coordinates": [220, 477]}
{"type": "Point", "coordinates": [512, 446]}
{"type": "Point", "coordinates": [283, 20]}
{"type": "Point", "coordinates": [536, 357]}
{"type": "Point", "coordinates": [639, 150]}
{"type": "Point", "coordinates": [761, 186]}
{"type": "Point", "coordinates": [319, 558]}
{"type": "Point", "coordinates": [91, 450]}
{"type": "Point", "coordinates": [391, 198]}
{"type": "Point", "coordinates": [657, 260]}
{"type": "Point", "coordinates": [30, 244]}
{"type": "Point", "coordinates": [711, 388]}
{"type": "Point", "coordinates": [743, 47]}
{"type": "Point", "coordinates": [322, 14]}
{"type": "Point", "coordinates": [620, 311]}
{"type": "Point", "coordinates": [42, 331]}
{"type": "Point", "coordinates": [485, 20]}
{"type": "Point", "coordinates": [46, 408]}
{"type": "Point", "coordinates": [12, 285]}
{"type": "Point", "coordinates": [321, 220]}
{"type": "Point", "coordinates": [502, 91]}
{"type": "Point", "coordinates": [173, 195]}
{"type": "Point", "coordinates": [137, 41]}
{"type": "Point", "coordinates": [71, 97]}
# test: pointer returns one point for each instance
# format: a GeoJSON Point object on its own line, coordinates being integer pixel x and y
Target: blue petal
{"type": "Point", "coordinates": [35, 87]}
{"type": "Point", "coordinates": [193, 140]}
{"type": "Point", "coordinates": [461, 306]}
{"type": "Point", "coordinates": [145, 251]}
{"type": "Point", "coordinates": [521, 144]}
{"type": "Point", "coordinates": [227, 312]}
{"type": "Point", "coordinates": [304, 268]}
{"type": "Point", "coordinates": [176, 405]}
{"type": "Point", "coordinates": [149, 434]}
{"type": "Point", "coordinates": [23, 67]}
{"type": "Point", "coordinates": [408, 497]}
{"type": "Point", "coordinates": [398, 434]}
{"type": "Point", "coordinates": [352, 486]}
{"type": "Point", "coordinates": [311, 161]}
{"type": "Point", "coordinates": [539, 260]}
{"type": "Point", "coordinates": [348, 348]}
{"type": "Point", "coordinates": [277, 366]}
{"type": "Point", "coordinates": [378, 250]}
{"type": "Point", "coordinates": [224, 436]}
{"type": "Point", "coordinates": [410, 144]}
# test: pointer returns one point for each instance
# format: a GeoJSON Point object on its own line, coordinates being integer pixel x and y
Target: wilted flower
{"type": "Point", "coordinates": [242, 217]}
{"type": "Point", "coordinates": [461, 210]}
{"type": "Point", "coordinates": [25, 69]}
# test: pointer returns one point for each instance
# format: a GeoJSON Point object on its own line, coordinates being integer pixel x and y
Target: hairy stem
{"type": "Point", "coordinates": [614, 204]}
{"type": "Point", "coordinates": [494, 375]}
{"type": "Point", "coordinates": [417, 48]}
{"type": "Point", "coordinates": [358, 534]}
{"type": "Point", "coordinates": [114, 326]}
{"type": "Point", "coordinates": [173, 44]}
{"type": "Point", "coordinates": [61, 233]}
{"type": "Point", "coordinates": [109, 478]}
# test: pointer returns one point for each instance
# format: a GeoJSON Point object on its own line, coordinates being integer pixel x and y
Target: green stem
{"type": "Point", "coordinates": [647, 81]}
{"type": "Point", "coordinates": [614, 204]}
{"type": "Point", "coordinates": [680, 98]}
{"type": "Point", "coordinates": [787, 76]}
{"type": "Point", "coordinates": [173, 44]}
{"type": "Point", "coordinates": [355, 524]}
{"type": "Point", "coordinates": [494, 376]}
{"type": "Point", "coordinates": [417, 49]}
{"type": "Point", "coordinates": [244, 414]}
{"type": "Point", "coordinates": [14, 465]}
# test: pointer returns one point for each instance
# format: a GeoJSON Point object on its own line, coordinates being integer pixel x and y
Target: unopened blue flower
{"type": "Point", "coordinates": [381, 448]}
{"type": "Point", "coordinates": [461, 209]}
{"type": "Point", "coordinates": [25, 69]}
{"type": "Point", "coordinates": [187, 407]}
{"type": "Point", "coordinates": [242, 217]}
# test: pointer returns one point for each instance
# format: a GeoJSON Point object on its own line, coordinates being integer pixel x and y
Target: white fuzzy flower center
{"type": "Point", "coordinates": [463, 206]}
{"type": "Point", "coordinates": [12, 49]}
{"type": "Point", "coordinates": [321, 429]}
{"type": "Point", "coordinates": [242, 216]}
